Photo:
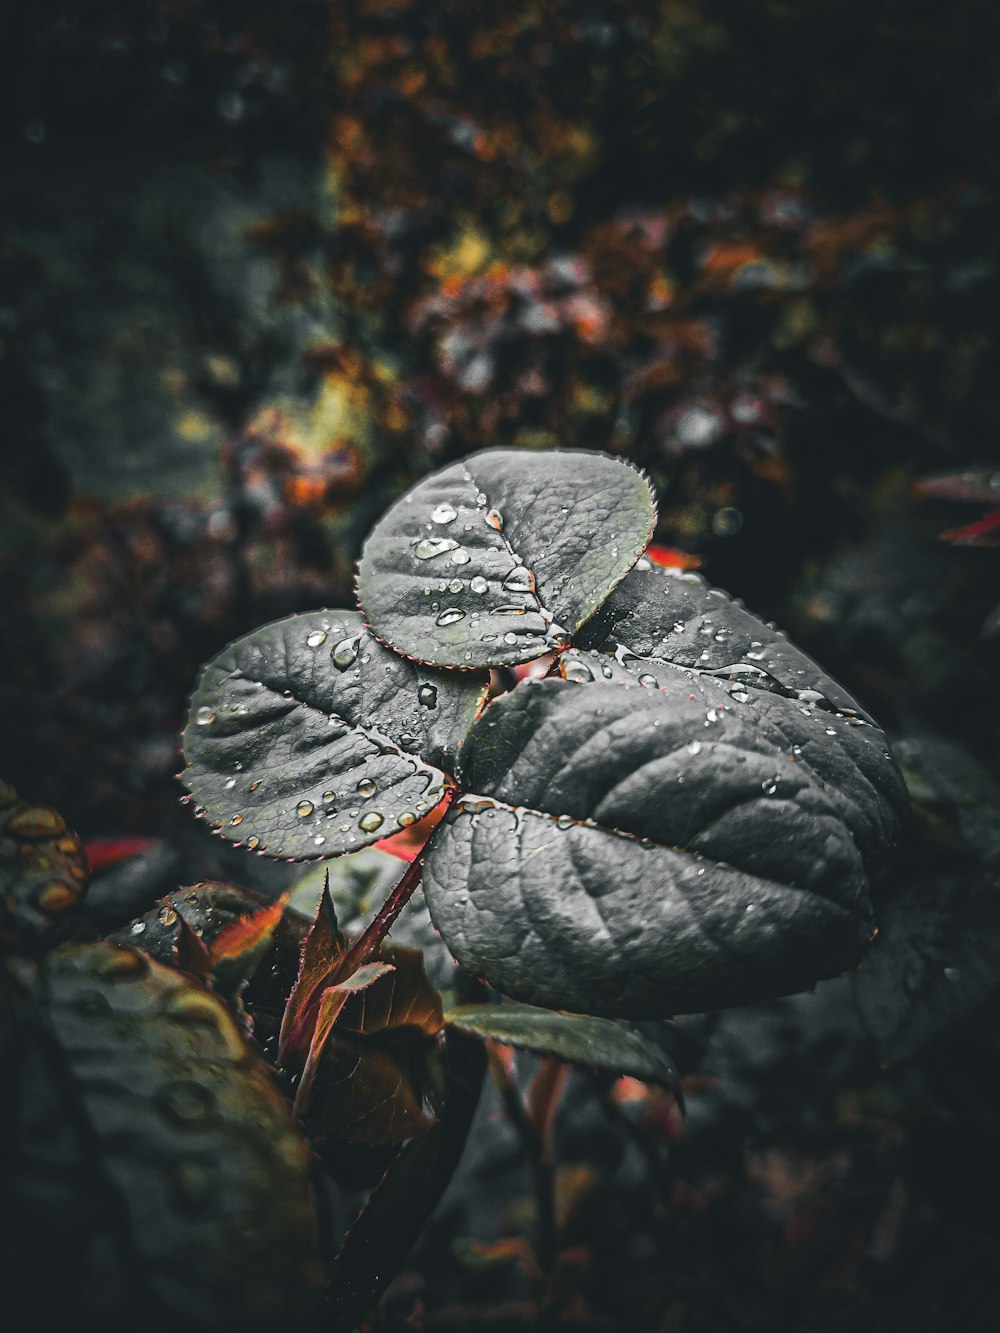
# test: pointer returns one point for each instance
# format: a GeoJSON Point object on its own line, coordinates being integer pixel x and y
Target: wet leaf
{"type": "Point", "coordinates": [366, 1068]}
{"type": "Point", "coordinates": [239, 947]}
{"type": "Point", "coordinates": [937, 956]}
{"type": "Point", "coordinates": [153, 1153]}
{"type": "Point", "coordinates": [304, 737]}
{"type": "Point", "coordinates": [502, 557]}
{"type": "Point", "coordinates": [634, 853]}
{"type": "Point", "coordinates": [43, 868]}
{"type": "Point", "coordinates": [579, 1039]}
{"type": "Point", "coordinates": [386, 1229]}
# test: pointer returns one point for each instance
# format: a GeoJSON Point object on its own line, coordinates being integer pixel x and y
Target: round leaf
{"type": "Point", "coordinates": [304, 737]}
{"type": "Point", "coordinates": [502, 557]}
{"type": "Point", "coordinates": [638, 853]}
{"type": "Point", "coordinates": [153, 1153]}
{"type": "Point", "coordinates": [580, 1039]}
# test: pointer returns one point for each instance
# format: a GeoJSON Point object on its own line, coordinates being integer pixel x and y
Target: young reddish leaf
{"type": "Point", "coordinates": [106, 853]}
{"type": "Point", "coordinates": [237, 949]}
{"type": "Point", "coordinates": [367, 1065]}
{"type": "Point", "coordinates": [331, 1003]}
{"type": "Point", "coordinates": [323, 947]}
{"type": "Point", "coordinates": [668, 557]}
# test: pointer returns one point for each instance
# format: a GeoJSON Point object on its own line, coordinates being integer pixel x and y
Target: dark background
{"type": "Point", "coordinates": [262, 266]}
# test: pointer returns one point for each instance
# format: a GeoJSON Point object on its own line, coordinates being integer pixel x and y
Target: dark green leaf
{"type": "Point", "coordinates": [636, 853]}
{"type": "Point", "coordinates": [669, 631]}
{"type": "Point", "coordinates": [303, 737]}
{"type": "Point", "coordinates": [154, 1156]}
{"type": "Point", "coordinates": [580, 1039]}
{"type": "Point", "coordinates": [502, 557]}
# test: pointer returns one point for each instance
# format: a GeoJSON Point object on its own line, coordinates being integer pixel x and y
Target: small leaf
{"type": "Point", "coordinates": [634, 853]}
{"type": "Point", "coordinates": [366, 1066]}
{"type": "Point", "coordinates": [500, 558]}
{"type": "Point", "coordinates": [304, 737]}
{"type": "Point", "coordinates": [152, 1148]}
{"type": "Point", "coordinates": [580, 1039]}
{"type": "Point", "coordinates": [331, 1003]}
{"type": "Point", "coordinates": [43, 868]}
{"type": "Point", "coordinates": [323, 948]}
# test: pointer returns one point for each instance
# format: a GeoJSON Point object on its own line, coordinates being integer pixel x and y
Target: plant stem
{"type": "Point", "coordinates": [366, 947]}
{"type": "Point", "coordinates": [538, 1160]}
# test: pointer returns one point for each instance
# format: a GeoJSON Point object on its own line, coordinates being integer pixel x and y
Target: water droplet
{"type": "Point", "coordinates": [740, 696]}
{"type": "Point", "coordinates": [495, 519]}
{"type": "Point", "coordinates": [429, 547]}
{"type": "Point", "coordinates": [649, 681]}
{"type": "Point", "coordinates": [366, 787]}
{"type": "Point", "coordinates": [606, 671]}
{"type": "Point", "coordinates": [253, 842]}
{"type": "Point", "coordinates": [230, 784]}
{"type": "Point", "coordinates": [831, 731]}
{"type": "Point", "coordinates": [769, 786]}
{"type": "Point", "coordinates": [304, 808]}
{"type": "Point", "coordinates": [329, 796]}
{"type": "Point", "coordinates": [460, 557]}
{"type": "Point", "coordinates": [406, 819]}
{"type": "Point", "coordinates": [167, 915]}
{"type": "Point", "coordinates": [810, 696]}
{"type": "Point", "coordinates": [678, 627]}
{"type": "Point", "coordinates": [693, 747]}
{"type": "Point", "coordinates": [316, 638]}
{"type": "Point", "coordinates": [138, 927]}
{"type": "Point", "coordinates": [519, 579]}
{"type": "Point", "coordinates": [643, 564]}
{"type": "Point", "coordinates": [254, 785]}
{"type": "Point", "coordinates": [370, 822]}
{"type": "Point", "coordinates": [510, 637]}
{"type": "Point", "coordinates": [204, 716]}
{"type": "Point", "coordinates": [751, 907]}
{"type": "Point", "coordinates": [482, 499]}
{"type": "Point", "coordinates": [577, 671]}
{"type": "Point", "coordinates": [712, 715]}
{"type": "Point", "coordinates": [345, 653]}
{"type": "Point", "coordinates": [236, 819]}
{"type": "Point", "coordinates": [479, 585]}
{"type": "Point", "coordinates": [444, 513]}
{"type": "Point", "coordinates": [565, 821]}
{"type": "Point", "coordinates": [456, 585]}
{"type": "Point", "coordinates": [450, 617]}
{"type": "Point", "coordinates": [427, 696]}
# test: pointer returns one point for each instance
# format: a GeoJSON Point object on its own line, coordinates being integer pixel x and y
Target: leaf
{"type": "Point", "coordinates": [580, 1039]}
{"type": "Point", "coordinates": [387, 1227]}
{"type": "Point", "coordinates": [500, 558]}
{"type": "Point", "coordinates": [666, 631]}
{"type": "Point", "coordinates": [937, 957]}
{"type": "Point", "coordinates": [43, 868]}
{"type": "Point", "coordinates": [323, 949]}
{"type": "Point", "coordinates": [304, 737]}
{"type": "Point", "coordinates": [367, 1067]}
{"type": "Point", "coordinates": [632, 853]}
{"type": "Point", "coordinates": [153, 1150]}
{"type": "Point", "coordinates": [331, 1002]}
{"type": "Point", "coordinates": [238, 947]}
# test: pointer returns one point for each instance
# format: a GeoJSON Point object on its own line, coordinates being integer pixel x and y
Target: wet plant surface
{"type": "Point", "coordinates": [419, 419]}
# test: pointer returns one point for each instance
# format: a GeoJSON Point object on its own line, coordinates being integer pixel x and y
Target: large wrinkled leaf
{"type": "Point", "coordinates": [43, 867]}
{"type": "Point", "coordinates": [632, 852]}
{"type": "Point", "coordinates": [577, 1038]}
{"type": "Point", "coordinates": [503, 556]}
{"type": "Point", "coordinates": [154, 1156]}
{"type": "Point", "coordinates": [304, 737]}
{"type": "Point", "coordinates": [937, 956]}
{"type": "Point", "coordinates": [677, 617]}
{"type": "Point", "coordinates": [658, 623]}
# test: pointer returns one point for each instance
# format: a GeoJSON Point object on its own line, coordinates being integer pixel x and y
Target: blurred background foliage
{"type": "Point", "coordinates": [262, 266]}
